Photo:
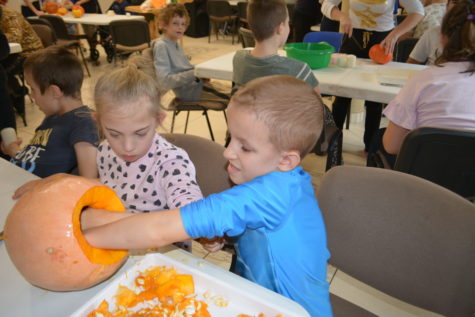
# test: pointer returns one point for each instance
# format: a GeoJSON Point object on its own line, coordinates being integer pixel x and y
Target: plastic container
{"type": "Point", "coordinates": [316, 55]}
{"type": "Point", "coordinates": [241, 296]}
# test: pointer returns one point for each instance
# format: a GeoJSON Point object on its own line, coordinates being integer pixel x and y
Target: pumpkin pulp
{"type": "Point", "coordinates": [98, 197]}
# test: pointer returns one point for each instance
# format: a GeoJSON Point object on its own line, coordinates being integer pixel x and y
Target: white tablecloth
{"type": "Point", "coordinates": [360, 82]}
{"type": "Point", "coordinates": [100, 19]}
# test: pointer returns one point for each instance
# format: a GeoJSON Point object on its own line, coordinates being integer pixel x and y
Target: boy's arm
{"type": "Point", "coordinates": [139, 231]}
{"type": "Point", "coordinates": [86, 156]}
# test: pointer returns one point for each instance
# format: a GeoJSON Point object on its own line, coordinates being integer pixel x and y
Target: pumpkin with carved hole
{"type": "Point", "coordinates": [43, 234]}
{"type": "Point", "coordinates": [378, 54]}
{"type": "Point", "coordinates": [77, 11]}
{"type": "Point", "coordinates": [51, 7]}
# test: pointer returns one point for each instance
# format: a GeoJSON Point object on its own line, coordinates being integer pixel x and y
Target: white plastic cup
{"type": "Point", "coordinates": [8, 136]}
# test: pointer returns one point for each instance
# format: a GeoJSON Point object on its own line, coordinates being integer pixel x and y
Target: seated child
{"type": "Point", "coordinates": [146, 171]}
{"type": "Point", "coordinates": [272, 211]}
{"type": "Point", "coordinates": [173, 69]}
{"type": "Point", "coordinates": [269, 22]}
{"type": "Point", "coordinates": [440, 96]}
{"type": "Point", "coordinates": [67, 138]}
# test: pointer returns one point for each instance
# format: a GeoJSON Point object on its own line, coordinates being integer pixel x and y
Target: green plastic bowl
{"type": "Point", "coordinates": [316, 55]}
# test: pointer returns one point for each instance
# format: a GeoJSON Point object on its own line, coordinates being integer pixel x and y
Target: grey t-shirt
{"type": "Point", "coordinates": [247, 67]}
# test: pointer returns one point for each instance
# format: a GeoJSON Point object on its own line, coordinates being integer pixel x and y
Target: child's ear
{"type": "Point", "coordinates": [289, 161]}
{"type": "Point", "coordinates": [55, 91]}
{"type": "Point", "coordinates": [161, 116]}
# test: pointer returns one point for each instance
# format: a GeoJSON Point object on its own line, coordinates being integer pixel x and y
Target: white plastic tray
{"type": "Point", "coordinates": [243, 297]}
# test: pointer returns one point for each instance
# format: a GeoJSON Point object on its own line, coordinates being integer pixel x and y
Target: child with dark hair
{"type": "Point", "coordinates": [67, 138]}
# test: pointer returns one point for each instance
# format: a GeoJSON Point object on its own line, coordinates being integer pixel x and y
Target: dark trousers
{"type": "Point", "coordinates": [329, 25]}
{"type": "Point", "coordinates": [26, 11]}
{"type": "Point", "coordinates": [302, 24]}
{"type": "Point", "coordinates": [359, 45]}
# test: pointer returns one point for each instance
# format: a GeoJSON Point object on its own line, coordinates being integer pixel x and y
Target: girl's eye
{"type": "Point", "coordinates": [141, 134]}
{"type": "Point", "coordinates": [245, 149]}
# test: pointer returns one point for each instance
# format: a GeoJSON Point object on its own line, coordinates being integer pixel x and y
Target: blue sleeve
{"type": "Point", "coordinates": [84, 129]}
{"type": "Point", "coordinates": [260, 203]}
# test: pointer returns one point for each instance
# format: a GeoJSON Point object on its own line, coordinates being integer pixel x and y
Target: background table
{"type": "Point", "coordinates": [15, 48]}
{"type": "Point", "coordinates": [99, 19]}
{"type": "Point", "coordinates": [19, 298]}
{"type": "Point", "coordinates": [360, 82]}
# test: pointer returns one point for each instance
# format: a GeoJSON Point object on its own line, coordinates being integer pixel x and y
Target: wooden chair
{"type": "Point", "coordinates": [247, 38]}
{"type": "Point", "coordinates": [401, 234]}
{"type": "Point", "coordinates": [45, 33]}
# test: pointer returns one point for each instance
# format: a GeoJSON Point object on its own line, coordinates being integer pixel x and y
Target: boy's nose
{"type": "Point", "coordinates": [228, 152]}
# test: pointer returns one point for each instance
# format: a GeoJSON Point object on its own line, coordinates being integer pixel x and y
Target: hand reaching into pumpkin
{"type": "Point", "coordinates": [91, 217]}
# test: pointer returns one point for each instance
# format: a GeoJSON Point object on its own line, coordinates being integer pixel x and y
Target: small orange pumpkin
{"type": "Point", "coordinates": [51, 7]}
{"type": "Point", "coordinates": [77, 11]}
{"type": "Point", "coordinates": [43, 234]}
{"type": "Point", "coordinates": [62, 11]}
{"type": "Point", "coordinates": [378, 54]}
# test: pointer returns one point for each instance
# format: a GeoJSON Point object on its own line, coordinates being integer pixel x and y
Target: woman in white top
{"type": "Point", "coordinates": [369, 22]}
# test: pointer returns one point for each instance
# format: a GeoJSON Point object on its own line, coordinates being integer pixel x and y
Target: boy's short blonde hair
{"type": "Point", "coordinates": [124, 85]}
{"type": "Point", "coordinates": [263, 16]}
{"type": "Point", "coordinates": [167, 13]}
{"type": "Point", "coordinates": [288, 106]}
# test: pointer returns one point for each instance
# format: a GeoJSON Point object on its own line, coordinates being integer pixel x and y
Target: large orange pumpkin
{"type": "Point", "coordinates": [43, 234]}
{"type": "Point", "coordinates": [77, 11]}
{"type": "Point", "coordinates": [51, 7]}
{"type": "Point", "coordinates": [378, 54]}
{"type": "Point", "coordinates": [62, 11]}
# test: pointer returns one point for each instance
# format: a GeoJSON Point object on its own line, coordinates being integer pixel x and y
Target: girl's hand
{"type": "Point", "coordinates": [25, 188]}
{"type": "Point", "coordinates": [346, 24]}
{"type": "Point", "coordinates": [212, 245]}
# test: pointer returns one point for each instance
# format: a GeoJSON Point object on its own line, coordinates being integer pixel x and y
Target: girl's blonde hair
{"type": "Point", "coordinates": [121, 86]}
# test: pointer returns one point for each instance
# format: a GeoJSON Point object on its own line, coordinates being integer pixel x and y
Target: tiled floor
{"type": "Point", "coordinates": [200, 51]}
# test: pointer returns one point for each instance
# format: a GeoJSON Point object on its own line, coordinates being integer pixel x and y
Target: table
{"type": "Point", "coordinates": [99, 19]}
{"type": "Point", "coordinates": [15, 48]}
{"type": "Point", "coordinates": [360, 82]}
{"type": "Point", "coordinates": [19, 298]}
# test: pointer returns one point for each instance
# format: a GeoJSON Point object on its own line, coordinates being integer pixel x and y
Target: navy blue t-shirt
{"type": "Point", "coordinates": [52, 148]}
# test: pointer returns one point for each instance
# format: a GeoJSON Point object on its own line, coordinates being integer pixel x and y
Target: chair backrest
{"type": "Point", "coordinates": [332, 38]}
{"type": "Point", "coordinates": [242, 11]}
{"type": "Point", "coordinates": [247, 37]}
{"type": "Point", "coordinates": [404, 48]}
{"type": "Point", "coordinates": [207, 156]}
{"type": "Point", "coordinates": [45, 33]}
{"type": "Point", "coordinates": [219, 9]}
{"type": "Point", "coordinates": [58, 25]}
{"type": "Point", "coordinates": [443, 156]}
{"type": "Point", "coordinates": [402, 235]}
{"type": "Point", "coordinates": [130, 33]}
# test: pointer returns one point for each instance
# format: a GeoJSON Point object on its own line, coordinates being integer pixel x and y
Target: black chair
{"type": "Point", "coordinates": [247, 38]}
{"type": "Point", "coordinates": [445, 157]}
{"type": "Point", "coordinates": [64, 38]}
{"type": "Point", "coordinates": [129, 36]}
{"type": "Point", "coordinates": [404, 48]}
{"type": "Point", "coordinates": [221, 12]}
{"type": "Point", "coordinates": [404, 236]}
